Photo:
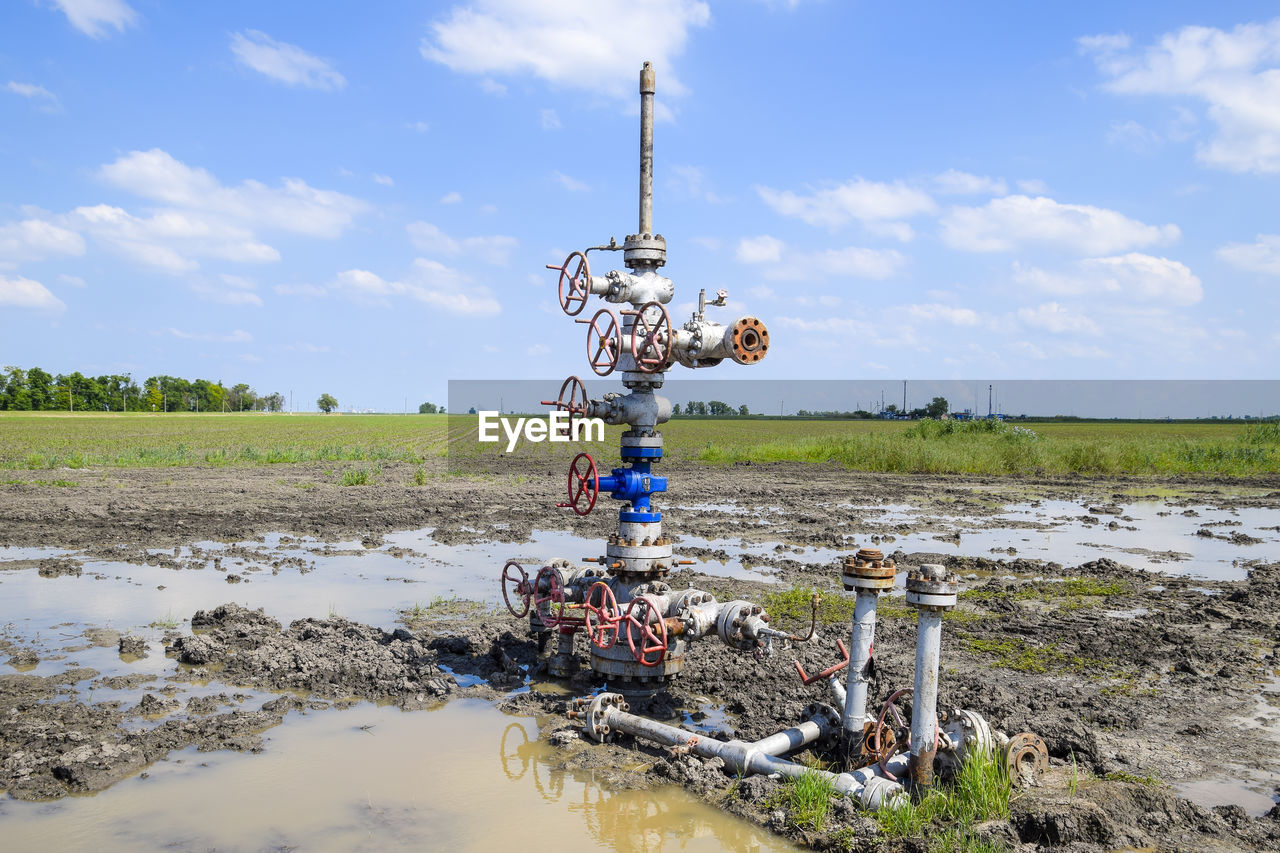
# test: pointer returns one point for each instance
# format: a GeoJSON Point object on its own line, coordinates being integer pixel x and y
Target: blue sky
{"type": "Point", "coordinates": [360, 198]}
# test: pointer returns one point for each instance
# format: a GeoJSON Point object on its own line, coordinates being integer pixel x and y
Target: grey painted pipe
{"type": "Point", "coordinates": [924, 702]}
{"type": "Point", "coordinates": [871, 790]}
{"type": "Point", "coordinates": [864, 633]}
{"type": "Point", "coordinates": [647, 89]}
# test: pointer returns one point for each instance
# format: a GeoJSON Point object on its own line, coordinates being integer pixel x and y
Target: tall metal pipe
{"type": "Point", "coordinates": [932, 591]}
{"type": "Point", "coordinates": [869, 574]}
{"type": "Point", "coordinates": [647, 89]}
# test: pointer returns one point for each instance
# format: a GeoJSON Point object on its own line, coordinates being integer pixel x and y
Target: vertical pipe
{"type": "Point", "coordinates": [647, 89]}
{"type": "Point", "coordinates": [864, 632]}
{"type": "Point", "coordinates": [924, 706]}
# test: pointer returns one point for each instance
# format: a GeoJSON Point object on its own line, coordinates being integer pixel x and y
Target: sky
{"type": "Point", "coordinates": [360, 199]}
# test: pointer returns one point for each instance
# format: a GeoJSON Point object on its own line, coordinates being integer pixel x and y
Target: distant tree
{"type": "Point", "coordinates": [675, 409]}
{"type": "Point", "coordinates": [938, 408]}
{"type": "Point", "coordinates": [428, 409]}
{"type": "Point", "coordinates": [471, 411]}
{"type": "Point", "coordinates": [274, 402]}
{"type": "Point", "coordinates": [326, 403]}
{"type": "Point", "coordinates": [743, 411]}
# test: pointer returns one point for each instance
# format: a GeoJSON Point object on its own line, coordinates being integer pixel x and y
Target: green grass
{"type": "Point", "coordinates": [1072, 589]}
{"type": "Point", "coordinates": [52, 440]}
{"type": "Point", "coordinates": [59, 484]}
{"type": "Point", "coordinates": [1020, 656]}
{"type": "Point", "coordinates": [980, 792]}
{"type": "Point", "coordinates": [359, 476]}
{"type": "Point", "coordinates": [807, 798]}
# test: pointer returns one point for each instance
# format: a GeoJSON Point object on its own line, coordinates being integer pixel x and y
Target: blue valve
{"type": "Point", "coordinates": [634, 485]}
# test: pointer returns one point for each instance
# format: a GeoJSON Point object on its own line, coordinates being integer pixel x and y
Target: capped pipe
{"type": "Point", "coordinates": [869, 574]}
{"type": "Point", "coordinates": [647, 89]}
{"type": "Point", "coordinates": [932, 591]}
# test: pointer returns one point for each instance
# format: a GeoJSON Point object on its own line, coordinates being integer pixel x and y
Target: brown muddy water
{"type": "Point", "coordinates": [462, 777]}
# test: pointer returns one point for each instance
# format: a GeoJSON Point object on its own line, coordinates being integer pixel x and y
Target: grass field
{"type": "Point", "coordinates": [50, 440]}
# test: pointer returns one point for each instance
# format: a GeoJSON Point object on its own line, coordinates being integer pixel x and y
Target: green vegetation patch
{"type": "Point", "coordinates": [947, 813]}
{"type": "Point", "coordinates": [807, 799]}
{"type": "Point", "coordinates": [1021, 656]}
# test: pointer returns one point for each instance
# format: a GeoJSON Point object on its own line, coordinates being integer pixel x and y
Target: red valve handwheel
{"type": "Point", "coordinates": [575, 403]}
{"type": "Point", "coordinates": [642, 615]}
{"type": "Point", "coordinates": [651, 341]}
{"type": "Point", "coordinates": [575, 298]}
{"type": "Point", "coordinates": [516, 580]}
{"type": "Point", "coordinates": [584, 485]}
{"type": "Point", "coordinates": [602, 615]}
{"type": "Point", "coordinates": [553, 615]}
{"type": "Point", "coordinates": [604, 341]}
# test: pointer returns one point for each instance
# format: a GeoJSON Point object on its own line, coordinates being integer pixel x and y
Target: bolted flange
{"type": "Point", "coordinates": [1026, 758]}
{"type": "Point", "coordinates": [593, 724]}
{"type": "Point", "coordinates": [868, 570]}
{"type": "Point", "coordinates": [930, 587]}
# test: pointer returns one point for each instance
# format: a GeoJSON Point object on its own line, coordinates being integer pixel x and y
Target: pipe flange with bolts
{"type": "Point", "coordinates": [1027, 758]}
{"type": "Point", "coordinates": [931, 587]}
{"type": "Point", "coordinates": [868, 569]}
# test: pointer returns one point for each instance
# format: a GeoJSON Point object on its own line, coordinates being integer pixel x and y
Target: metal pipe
{"type": "Point", "coordinates": [873, 791]}
{"type": "Point", "coordinates": [789, 740]}
{"type": "Point", "coordinates": [924, 703]}
{"type": "Point", "coordinates": [647, 89]}
{"type": "Point", "coordinates": [864, 633]}
{"type": "Point", "coordinates": [837, 691]}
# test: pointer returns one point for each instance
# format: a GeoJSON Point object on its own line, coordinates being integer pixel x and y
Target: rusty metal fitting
{"type": "Point", "coordinates": [1026, 758]}
{"type": "Point", "coordinates": [750, 340]}
{"type": "Point", "coordinates": [930, 587]}
{"type": "Point", "coordinates": [868, 570]}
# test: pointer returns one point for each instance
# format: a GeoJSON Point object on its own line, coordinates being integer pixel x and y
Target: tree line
{"type": "Point", "coordinates": [36, 390]}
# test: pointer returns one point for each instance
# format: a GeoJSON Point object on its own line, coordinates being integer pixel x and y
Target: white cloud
{"type": "Point", "coordinates": [953, 182]}
{"type": "Point", "coordinates": [1058, 319]}
{"type": "Point", "coordinates": [284, 62]}
{"type": "Point", "coordinates": [451, 197]}
{"type": "Point", "coordinates": [691, 181]}
{"type": "Point", "coordinates": [19, 292]}
{"type": "Point", "coordinates": [1261, 256]}
{"type": "Point", "coordinates": [95, 17]}
{"type": "Point", "coordinates": [233, 290]}
{"type": "Point", "coordinates": [48, 101]}
{"type": "Point", "coordinates": [294, 206]}
{"type": "Point", "coordinates": [573, 185]}
{"type": "Point", "coordinates": [549, 119]}
{"type": "Point", "coordinates": [1033, 186]}
{"type": "Point", "coordinates": [945, 313]}
{"type": "Point", "coordinates": [303, 346]}
{"type": "Point", "coordinates": [33, 239]}
{"type": "Point", "coordinates": [1133, 277]}
{"type": "Point", "coordinates": [759, 250]}
{"type": "Point", "coordinates": [73, 280]}
{"type": "Point", "coordinates": [493, 87]}
{"type": "Point", "coordinates": [538, 349]}
{"type": "Point", "coordinates": [1003, 224]}
{"type": "Point", "coordinates": [595, 45]}
{"type": "Point", "coordinates": [239, 336]}
{"type": "Point", "coordinates": [494, 249]}
{"type": "Point", "coordinates": [384, 180]}
{"type": "Point", "coordinates": [430, 282]}
{"type": "Point", "coordinates": [1134, 136]}
{"type": "Point", "coordinates": [170, 240]}
{"type": "Point", "coordinates": [869, 202]}
{"type": "Point", "coordinates": [1234, 73]}
{"type": "Point", "coordinates": [308, 291]}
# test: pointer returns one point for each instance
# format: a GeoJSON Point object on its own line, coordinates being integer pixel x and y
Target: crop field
{"type": "Point", "coordinates": [57, 441]}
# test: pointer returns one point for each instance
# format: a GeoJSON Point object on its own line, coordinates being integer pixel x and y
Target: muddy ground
{"type": "Point", "coordinates": [1129, 707]}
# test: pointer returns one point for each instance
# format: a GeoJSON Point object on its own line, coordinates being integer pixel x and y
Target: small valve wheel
{"type": "Point", "coordinates": [573, 399]}
{"type": "Point", "coordinates": [548, 589]}
{"type": "Point", "coordinates": [604, 341]}
{"type": "Point", "coordinates": [515, 582]}
{"type": "Point", "coordinates": [602, 615]}
{"type": "Point", "coordinates": [646, 631]}
{"type": "Point", "coordinates": [651, 341]}
{"type": "Point", "coordinates": [584, 485]}
{"type": "Point", "coordinates": [575, 287]}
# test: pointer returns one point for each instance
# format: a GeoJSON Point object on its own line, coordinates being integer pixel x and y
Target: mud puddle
{"type": "Point", "coordinates": [463, 777]}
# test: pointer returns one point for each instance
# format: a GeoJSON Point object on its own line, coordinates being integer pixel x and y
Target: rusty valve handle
{"type": "Point", "coordinates": [602, 615]}
{"type": "Point", "coordinates": [829, 671]}
{"type": "Point", "coordinates": [642, 625]}
{"type": "Point", "coordinates": [651, 342]}
{"type": "Point", "coordinates": [516, 580]}
{"type": "Point", "coordinates": [572, 399]}
{"type": "Point", "coordinates": [553, 616]}
{"type": "Point", "coordinates": [584, 485]}
{"type": "Point", "coordinates": [604, 341]}
{"type": "Point", "coordinates": [574, 299]}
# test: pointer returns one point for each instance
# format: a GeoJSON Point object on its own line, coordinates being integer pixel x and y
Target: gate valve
{"type": "Point", "coordinates": [646, 626]}
{"type": "Point", "coordinates": [826, 673]}
{"type": "Point", "coordinates": [602, 615]}
{"type": "Point", "coordinates": [548, 580]}
{"type": "Point", "coordinates": [651, 340]}
{"type": "Point", "coordinates": [604, 341]}
{"type": "Point", "coordinates": [573, 399]}
{"type": "Point", "coordinates": [584, 485]}
{"type": "Point", "coordinates": [515, 581]}
{"type": "Point", "coordinates": [573, 288]}
{"type": "Point", "coordinates": [633, 485]}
